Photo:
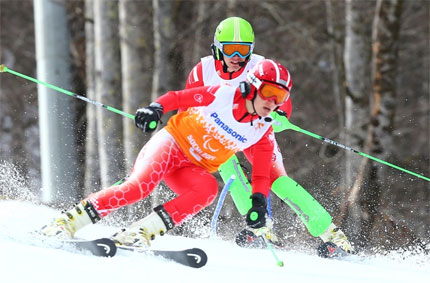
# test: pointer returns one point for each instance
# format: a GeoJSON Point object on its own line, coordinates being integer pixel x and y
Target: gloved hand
{"type": "Point", "coordinates": [147, 118]}
{"type": "Point", "coordinates": [281, 113]}
{"type": "Point", "coordinates": [256, 216]}
{"type": "Point", "coordinates": [281, 121]}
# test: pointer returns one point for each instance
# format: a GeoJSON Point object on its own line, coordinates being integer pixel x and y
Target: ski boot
{"type": "Point", "coordinates": [253, 238]}
{"type": "Point", "coordinates": [68, 222]}
{"type": "Point", "coordinates": [335, 243]}
{"type": "Point", "coordinates": [140, 233]}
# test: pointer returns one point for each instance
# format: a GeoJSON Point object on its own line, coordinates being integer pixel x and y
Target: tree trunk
{"type": "Point", "coordinates": [357, 61]}
{"type": "Point", "coordinates": [108, 91]}
{"type": "Point", "coordinates": [337, 71]}
{"type": "Point", "coordinates": [163, 32]}
{"type": "Point", "coordinates": [136, 62]}
{"type": "Point", "coordinates": [384, 76]}
{"type": "Point", "coordinates": [202, 7]}
{"type": "Point", "coordinates": [92, 165]}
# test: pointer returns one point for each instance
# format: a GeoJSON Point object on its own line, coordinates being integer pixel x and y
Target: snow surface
{"type": "Point", "coordinates": [21, 261]}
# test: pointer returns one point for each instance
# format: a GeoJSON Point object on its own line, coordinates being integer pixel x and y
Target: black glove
{"type": "Point", "coordinates": [281, 112]}
{"type": "Point", "coordinates": [147, 118]}
{"type": "Point", "coordinates": [256, 216]}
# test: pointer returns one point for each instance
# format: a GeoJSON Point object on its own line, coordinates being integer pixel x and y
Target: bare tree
{"type": "Point", "coordinates": [365, 196]}
{"type": "Point", "coordinates": [136, 65]}
{"type": "Point", "coordinates": [202, 7]}
{"type": "Point", "coordinates": [92, 165]}
{"type": "Point", "coordinates": [19, 142]}
{"type": "Point", "coordinates": [357, 72]}
{"type": "Point", "coordinates": [337, 72]}
{"type": "Point", "coordinates": [163, 34]}
{"type": "Point", "coordinates": [385, 44]}
{"type": "Point", "coordinates": [108, 91]}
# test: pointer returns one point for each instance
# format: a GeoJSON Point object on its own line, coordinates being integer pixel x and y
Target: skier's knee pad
{"type": "Point", "coordinates": [313, 215]}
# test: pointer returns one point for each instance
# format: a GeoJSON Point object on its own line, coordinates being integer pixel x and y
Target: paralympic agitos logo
{"type": "Point", "coordinates": [227, 129]}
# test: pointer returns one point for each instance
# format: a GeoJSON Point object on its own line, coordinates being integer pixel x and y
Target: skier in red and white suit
{"type": "Point", "coordinates": [219, 121]}
{"type": "Point", "coordinates": [213, 72]}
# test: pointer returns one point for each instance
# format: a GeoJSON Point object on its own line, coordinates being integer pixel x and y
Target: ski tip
{"type": "Point", "coordinates": [2, 68]}
{"type": "Point", "coordinates": [197, 258]}
{"type": "Point", "coordinates": [105, 247]}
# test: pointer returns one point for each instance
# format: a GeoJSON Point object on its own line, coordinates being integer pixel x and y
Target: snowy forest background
{"type": "Point", "coordinates": [361, 77]}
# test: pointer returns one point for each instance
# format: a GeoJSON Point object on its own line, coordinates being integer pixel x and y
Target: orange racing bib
{"type": "Point", "coordinates": [210, 135]}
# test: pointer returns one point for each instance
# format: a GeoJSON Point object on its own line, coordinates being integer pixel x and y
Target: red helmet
{"type": "Point", "coordinates": [271, 80]}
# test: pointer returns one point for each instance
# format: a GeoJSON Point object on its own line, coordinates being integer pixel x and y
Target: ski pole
{"type": "Point", "coordinates": [289, 125]}
{"type": "Point", "coordinates": [220, 202]}
{"type": "Point", "coordinates": [298, 129]}
{"type": "Point", "coordinates": [269, 246]}
{"type": "Point", "coordinates": [3, 68]}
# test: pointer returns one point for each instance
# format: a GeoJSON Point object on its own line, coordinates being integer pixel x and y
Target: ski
{"type": "Point", "coordinates": [103, 247]}
{"type": "Point", "coordinates": [194, 257]}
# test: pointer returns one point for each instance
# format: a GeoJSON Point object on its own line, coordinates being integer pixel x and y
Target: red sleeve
{"type": "Point", "coordinates": [199, 96]}
{"type": "Point", "coordinates": [262, 155]}
{"type": "Point", "coordinates": [287, 107]}
{"type": "Point", "coordinates": [195, 78]}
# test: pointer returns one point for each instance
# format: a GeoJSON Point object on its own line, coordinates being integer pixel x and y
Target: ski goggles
{"type": "Point", "coordinates": [268, 91]}
{"type": "Point", "coordinates": [231, 49]}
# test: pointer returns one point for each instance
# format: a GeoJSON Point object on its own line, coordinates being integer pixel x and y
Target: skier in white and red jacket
{"type": "Point", "coordinates": [232, 58]}
{"type": "Point", "coordinates": [219, 121]}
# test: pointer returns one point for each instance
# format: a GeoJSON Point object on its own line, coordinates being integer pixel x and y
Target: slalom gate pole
{"type": "Point", "coordinates": [298, 129]}
{"type": "Point", "coordinates": [269, 246]}
{"type": "Point", "coordinates": [269, 206]}
{"type": "Point", "coordinates": [220, 202]}
{"type": "Point", "coordinates": [3, 68]}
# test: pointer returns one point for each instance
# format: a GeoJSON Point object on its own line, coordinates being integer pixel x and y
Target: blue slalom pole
{"type": "Point", "coordinates": [220, 202]}
{"type": "Point", "coordinates": [269, 207]}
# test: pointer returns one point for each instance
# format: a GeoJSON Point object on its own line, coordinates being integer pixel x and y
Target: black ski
{"type": "Point", "coordinates": [103, 247]}
{"type": "Point", "coordinates": [194, 257]}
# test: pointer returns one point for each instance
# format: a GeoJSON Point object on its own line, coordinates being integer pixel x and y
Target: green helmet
{"type": "Point", "coordinates": [229, 31]}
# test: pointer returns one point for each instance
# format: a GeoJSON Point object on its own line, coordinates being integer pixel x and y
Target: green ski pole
{"type": "Point", "coordinates": [289, 125]}
{"type": "Point", "coordinates": [269, 246]}
{"type": "Point", "coordinates": [3, 68]}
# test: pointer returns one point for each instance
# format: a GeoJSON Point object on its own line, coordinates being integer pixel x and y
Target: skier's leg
{"type": "Point", "coordinates": [316, 219]}
{"type": "Point", "coordinates": [155, 158]}
{"type": "Point", "coordinates": [195, 187]}
{"type": "Point", "coordinates": [312, 214]}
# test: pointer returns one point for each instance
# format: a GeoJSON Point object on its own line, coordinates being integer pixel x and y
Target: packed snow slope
{"type": "Point", "coordinates": [22, 261]}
